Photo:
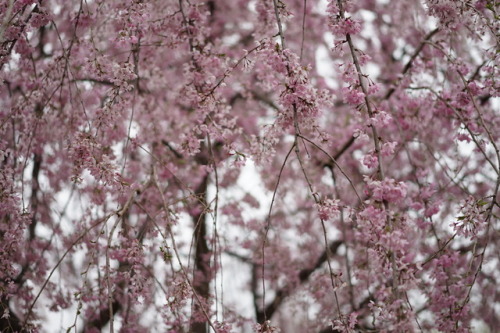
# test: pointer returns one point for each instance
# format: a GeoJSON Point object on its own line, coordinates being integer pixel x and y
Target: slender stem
{"type": "Point", "coordinates": [280, 26]}
{"type": "Point", "coordinates": [376, 141]}
{"type": "Point", "coordinates": [268, 226]}
{"type": "Point", "coordinates": [303, 29]}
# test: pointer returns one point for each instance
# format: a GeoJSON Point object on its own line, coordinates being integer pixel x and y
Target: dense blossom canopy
{"type": "Point", "coordinates": [249, 165]}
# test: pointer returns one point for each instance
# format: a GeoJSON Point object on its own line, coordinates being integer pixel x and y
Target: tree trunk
{"type": "Point", "coordinates": [202, 274]}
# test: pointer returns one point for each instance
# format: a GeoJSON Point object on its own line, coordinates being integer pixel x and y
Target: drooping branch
{"type": "Point", "coordinates": [10, 44]}
{"type": "Point", "coordinates": [303, 276]}
{"type": "Point", "coordinates": [414, 56]}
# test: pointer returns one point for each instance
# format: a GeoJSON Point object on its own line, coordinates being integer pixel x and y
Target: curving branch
{"type": "Point", "coordinates": [303, 276]}
{"type": "Point", "coordinates": [409, 64]}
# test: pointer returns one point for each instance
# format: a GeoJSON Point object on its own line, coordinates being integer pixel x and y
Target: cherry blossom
{"type": "Point", "coordinates": [229, 166]}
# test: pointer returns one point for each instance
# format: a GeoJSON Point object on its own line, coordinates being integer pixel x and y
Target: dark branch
{"type": "Point", "coordinates": [202, 274]}
{"type": "Point", "coordinates": [103, 317]}
{"type": "Point", "coordinates": [37, 162]}
{"type": "Point", "coordinates": [10, 323]}
{"type": "Point", "coordinates": [409, 64]}
{"type": "Point", "coordinates": [304, 275]}
{"type": "Point", "coordinates": [341, 152]}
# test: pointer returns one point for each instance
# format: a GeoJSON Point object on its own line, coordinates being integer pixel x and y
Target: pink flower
{"type": "Point", "coordinates": [387, 189]}
{"type": "Point", "coordinates": [370, 160]}
{"type": "Point", "coordinates": [266, 327]}
{"type": "Point", "coordinates": [388, 148]}
{"type": "Point", "coordinates": [342, 27]}
{"type": "Point", "coordinates": [328, 209]}
{"type": "Point", "coordinates": [353, 96]}
{"type": "Point", "coordinates": [471, 220]}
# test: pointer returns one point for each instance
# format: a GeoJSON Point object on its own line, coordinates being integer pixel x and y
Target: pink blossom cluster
{"type": "Point", "coordinates": [328, 209]}
{"type": "Point", "coordinates": [386, 190]}
{"type": "Point", "coordinates": [298, 94]}
{"type": "Point", "coordinates": [471, 221]}
{"type": "Point", "coordinates": [187, 166]}
{"type": "Point", "coordinates": [266, 327]}
{"type": "Point", "coordinates": [449, 294]}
